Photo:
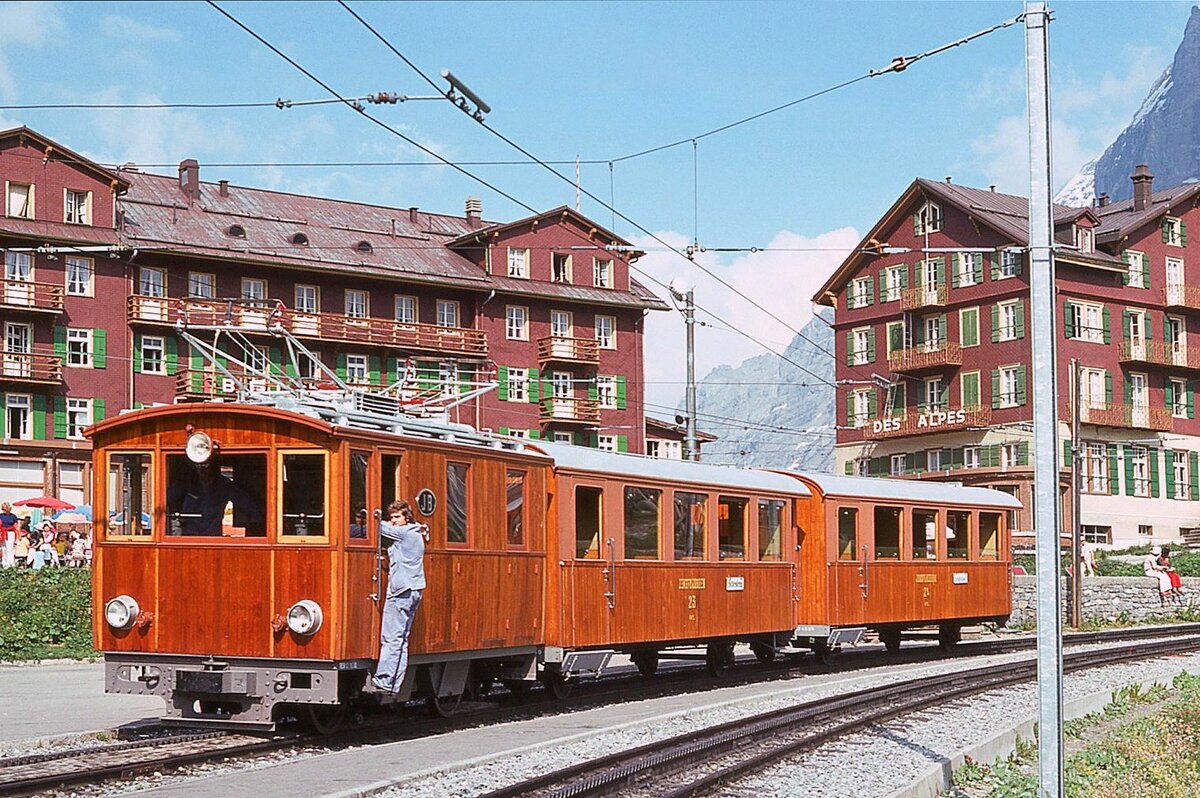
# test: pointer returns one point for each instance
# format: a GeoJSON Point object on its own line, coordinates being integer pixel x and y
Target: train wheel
{"type": "Point", "coordinates": [322, 719]}
{"type": "Point", "coordinates": [556, 684]}
{"type": "Point", "coordinates": [646, 662]}
{"type": "Point", "coordinates": [719, 658]}
{"type": "Point", "coordinates": [763, 651]}
{"type": "Point", "coordinates": [948, 636]}
{"type": "Point", "coordinates": [444, 706]}
{"type": "Point", "coordinates": [890, 639]}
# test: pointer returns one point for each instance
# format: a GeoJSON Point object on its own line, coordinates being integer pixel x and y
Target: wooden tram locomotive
{"type": "Point", "coordinates": [238, 572]}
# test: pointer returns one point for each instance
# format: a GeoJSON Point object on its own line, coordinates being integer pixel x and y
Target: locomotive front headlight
{"type": "Point", "coordinates": [199, 447]}
{"type": "Point", "coordinates": [304, 617]}
{"type": "Point", "coordinates": [121, 612]}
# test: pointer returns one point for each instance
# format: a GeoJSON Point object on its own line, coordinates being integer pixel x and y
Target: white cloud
{"type": "Point", "coordinates": [134, 30]}
{"type": "Point", "coordinates": [25, 25]}
{"type": "Point", "coordinates": [782, 279]}
{"type": "Point", "coordinates": [1002, 154]}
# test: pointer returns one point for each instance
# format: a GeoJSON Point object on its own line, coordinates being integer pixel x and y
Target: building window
{"type": "Point", "coordinates": [202, 285]}
{"type": "Point", "coordinates": [447, 313]}
{"type": "Point", "coordinates": [606, 332]}
{"type": "Point", "coordinates": [560, 324]}
{"type": "Point", "coordinates": [406, 309]}
{"type": "Point", "coordinates": [153, 360]}
{"type": "Point", "coordinates": [1137, 268]}
{"type": "Point", "coordinates": [1178, 397]}
{"type": "Point", "coordinates": [1009, 384]}
{"type": "Point", "coordinates": [894, 279]}
{"type": "Point", "coordinates": [518, 263]}
{"type": "Point", "coordinates": [603, 273]}
{"type": "Point", "coordinates": [860, 293]}
{"type": "Point", "coordinates": [1141, 471]}
{"type": "Point", "coordinates": [1145, 530]}
{"type": "Point", "coordinates": [20, 200]}
{"type": "Point", "coordinates": [1086, 321]}
{"type": "Point", "coordinates": [518, 385]}
{"type": "Point", "coordinates": [967, 262]}
{"type": "Point", "coordinates": [77, 207]}
{"type": "Point", "coordinates": [79, 416]}
{"type": "Point", "coordinates": [307, 298]}
{"type": "Point", "coordinates": [1084, 239]}
{"type": "Point", "coordinates": [970, 457]}
{"type": "Point", "coordinates": [1095, 469]}
{"type": "Point", "coordinates": [310, 368]}
{"type": "Point", "coordinates": [1010, 456]}
{"type": "Point", "coordinates": [564, 437]}
{"type": "Point", "coordinates": [899, 465]}
{"type": "Point", "coordinates": [1009, 320]}
{"type": "Point", "coordinates": [1010, 263]}
{"type": "Point", "coordinates": [522, 434]}
{"type": "Point", "coordinates": [862, 347]}
{"type": "Point", "coordinates": [1172, 229]}
{"type": "Point", "coordinates": [936, 394]}
{"type": "Point", "coordinates": [152, 282]}
{"type": "Point", "coordinates": [1097, 534]}
{"type": "Point", "coordinates": [933, 459]}
{"type": "Point", "coordinates": [860, 406]}
{"type": "Point", "coordinates": [79, 347]}
{"type": "Point", "coordinates": [606, 443]}
{"type": "Point", "coordinates": [560, 384]}
{"type": "Point", "coordinates": [516, 323]}
{"type": "Point", "coordinates": [862, 467]}
{"type": "Point", "coordinates": [79, 276]}
{"type": "Point", "coordinates": [606, 391]}
{"type": "Point", "coordinates": [356, 368]}
{"type": "Point", "coordinates": [1179, 465]}
{"type": "Point", "coordinates": [254, 289]}
{"type": "Point", "coordinates": [17, 415]}
{"type": "Point", "coordinates": [928, 219]}
{"type": "Point", "coordinates": [356, 303]}
{"type": "Point", "coordinates": [560, 268]}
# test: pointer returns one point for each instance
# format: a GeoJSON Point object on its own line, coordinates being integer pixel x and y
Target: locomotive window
{"type": "Point", "coordinates": [958, 530]}
{"type": "Point", "coordinates": [514, 492]}
{"type": "Point", "coordinates": [691, 516]}
{"type": "Point", "coordinates": [924, 535]}
{"type": "Point", "coordinates": [847, 532]}
{"type": "Point", "coordinates": [223, 497]}
{"type": "Point", "coordinates": [587, 522]}
{"type": "Point", "coordinates": [887, 533]}
{"type": "Point", "coordinates": [456, 503]}
{"type": "Point", "coordinates": [642, 515]}
{"type": "Point", "coordinates": [770, 529]}
{"type": "Point", "coordinates": [360, 521]}
{"type": "Point", "coordinates": [129, 495]}
{"type": "Point", "coordinates": [731, 528]}
{"type": "Point", "coordinates": [303, 482]}
{"type": "Point", "coordinates": [989, 536]}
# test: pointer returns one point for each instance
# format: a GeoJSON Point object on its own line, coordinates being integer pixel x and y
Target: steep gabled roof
{"type": "Point", "coordinates": [1119, 219]}
{"type": "Point", "coordinates": [563, 212]}
{"type": "Point", "coordinates": [50, 148]}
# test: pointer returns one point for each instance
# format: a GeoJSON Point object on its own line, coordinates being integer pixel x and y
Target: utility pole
{"type": "Point", "coordinates": [688, 298]}
{"type": "Point", "coordinates": [1047, 515]}
{"type": "Point", "coordinates": [1077, 455]}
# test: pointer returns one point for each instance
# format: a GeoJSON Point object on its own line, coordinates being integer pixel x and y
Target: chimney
{"type": "Point", "coordinates": [992, 188]}
{"type": "Point", "coordinates": [474, 212]}
{"type": "Point", "coordinates": [948, 178]}
{"type": "Point", "coordinates": [1103, 200]}
{"type": "Point", "coordinates": [223, 188]}
{"type": "Point", "coordinates": [412, 214]}
{"type": "Point", "coordinates": [189, 178]}
{"type": "Point", "coordinates": [1143, 183]}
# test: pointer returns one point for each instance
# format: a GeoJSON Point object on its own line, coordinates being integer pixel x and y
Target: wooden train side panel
{"type": "Point", "coordinates": [299, 574]}
{"type": "Point", "coordinates": [929, 591]}
{"type": "Point", "coordinates": [129, 569]}
{"type": "Point", "coordinates": [360, 637]}
{"type": "Point", "coordinates": [812, 561]}
{"type": "Point", "coordinates": [216, 601]}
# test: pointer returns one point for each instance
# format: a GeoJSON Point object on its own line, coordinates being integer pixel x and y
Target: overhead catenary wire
{"type": "Point", "coordinates": [376, 98]}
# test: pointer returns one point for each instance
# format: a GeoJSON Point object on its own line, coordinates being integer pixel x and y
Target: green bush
{"type": "Point", "coordinates": [45, 613]}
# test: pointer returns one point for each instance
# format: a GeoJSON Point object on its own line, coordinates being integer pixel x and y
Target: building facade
{"type": "Point", "coordinates": [933, 352]}
{"type": "Point", "coordinates": [101, 263]}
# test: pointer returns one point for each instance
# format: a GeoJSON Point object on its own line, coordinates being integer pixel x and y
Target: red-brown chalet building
{"type": "Point", "coordinates": [933, 350]}
{"type": "Point", "coordinates": [98, 263]}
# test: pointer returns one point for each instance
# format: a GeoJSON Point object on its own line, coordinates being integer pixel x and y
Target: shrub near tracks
{"type": "Point", "coordinates": [45, 613]}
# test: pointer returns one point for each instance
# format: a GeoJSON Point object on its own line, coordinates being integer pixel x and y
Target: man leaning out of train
{"type": "Point", "coordinates": [406, 583]}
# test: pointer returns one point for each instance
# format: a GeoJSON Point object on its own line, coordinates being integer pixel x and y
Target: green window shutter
{"type": "Point", "coordinates": [921, 399]}
{"type": "Point", "coordinates": [995, 388]}
{"type": "Point", "coordinates": [341, 366]}
{"type": "Point", "coordinates": [941, 270]}
{"type": "Point", "coordinates": [872, 404]}
{"type": "Point", "coordinates": [1183, 232]}
{"type": "Point", "coordinates": [1023, 453]}
{"type": "Point", "coordinates": [1169, 394]}
{"type": "Point", "coordinates": [373, 368]}
{"type": "Point", "coordinates": [622, 443]}
{"type": "Point", "coordinates": [1113, 482]}
{"type": "Point", "coordinates": [849, 468]}
{"type": "Point", "coordinates": [1125, 325]}
{"type": "Point", "coordinates": [504, 430]}
{"type": "Point", "coordinates": [1067, 452]}
{"type": "Point", "coordinates": [944, 398]}
{"type": "Point", "coordinates": [622, 393]}
{"type": "Point", "coordinates": [1169, 472]}
{"type": "Point", "coordinates": [1125, 277]}
{"type": "Point", "coordinates": [1166, 229]}
{"type": "Point", "coordinates": [534, 386]}
{"type": "Point", "coordinates": [99, 348]}
{"type": "Point", "coordinates": [850, 349]}
{"type": "Point", "coordinates": [196, 359]}
{"type": "Point", "coordinates": [878, 466]}
{"type": "Point", "coordinates": [870, 290]}
{"type": "Point", "coordinates": [3, 417]}
{"type": "Point", "coordinates": [60, 416]}
{"type": "Point", "coordinates": [995, 259]}
{"type": "Point", "coordinates": [1152, 456]}
{"type": "Point", "coordinates": [1128, 470]}
{"type": "Point", "coordinates": [1069, 319]}
{"type": "Point", "coordinates": [970, 389]}
{"type": "Point", "coordinates": [1107, 315]}
{"type": "Point", "coordinates": [593, 391]}
{"type": "Point", "coordinates": [1194, 476]}
{"type": "Point", "coordinates": [60, 343]}
{"type": "Point", "coordinates": [969, 321]}
{"type": "Point", "coordinates": [535, 434]}
{"type": "Point", "coordinates": [956, 458]}
{"type": "Point", "coordinates": [1147, 329]}
{"type": "Point", "coordinates": [1020, 318]}
{"type": "Point", "coordinates": [1191, 400]}
{"type": "Point", "coordinates": [919, 274]}
{"type": "Point", "coordinates": [1128, 391]}
{"type": "Point", "coordinates": [39, 418]}
{"type": "Point", "coordinates": [502, 379]}
{"type": "Point", "coordinates": [955, 265]}
{"type": "Point", "coordinates": [977, 268]}
{"type": "Point", "coordinates": [172, 347]}
{"type": "Point", "coordinates": [904, 276]}
{"type": "Point", "coordinates": [1145, 277]}
{"type": "Point", "coordinates": [1021, 384]}
{"type": "Point", "coordinates": [942, 329]}
{"type": "Point", "coordinates": [1020, 265]}
{"type": "Point", "coordinates": [995, 323]}
{"type": "Point", "coordinates": [917, 224]}
{"type": "Point", "coordinates": [910, 462]}
{"type": "Point", "coordinates": [1108, 389]}
{"type": "Point", "coordinates": [849, 408]}
{"type": "Point", "coordinates": [97, 410]}
{"type": "Point", "coordinates": [137, 354]}
{"type": "Point", "coordinates": [896, 337]}
{"type": "Point", "coordinates": [871, 345]}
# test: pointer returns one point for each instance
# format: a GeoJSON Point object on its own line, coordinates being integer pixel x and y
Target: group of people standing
{"type": "Point", "coordinates": [26, 546]}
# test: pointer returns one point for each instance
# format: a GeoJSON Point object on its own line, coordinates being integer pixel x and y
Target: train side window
{"type": "Point", "coordinates": [587, 522]}
{"type": "Point", "coordinates": [302, 505]}
{"type": "Point", "coordinates": [847, 532]}
{"type": "Point", "coordinates": [130, 496]}
{"type": "Point", "coordinates": [887, 533]}
{"type": "Point", "coordinates": [456, 503]}
{"type": "Point", "coordinates": [360, 518]}
{"type": "Point", "coordinates": [924, 534]}
{"type": "Point", "coordinates": [989, 536]}
{"type": "Point", "coordinates": [731, 528]}
{"type": "Point", "coordinates": [643, 511]}
{"type": "Point", "coordinates": [514, 507]}
{"type": "Point", "coordinates": [770, 529]}
{"type": "Point", "coordinates": [691, 517]}
{"type": "Point", "coordinates": [224, 496]}
{"type": "Point", "coordinates": [958, 533]}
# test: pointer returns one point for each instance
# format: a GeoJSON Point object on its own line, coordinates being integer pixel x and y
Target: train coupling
{"type": "Point", "coordinates": [809, 635]}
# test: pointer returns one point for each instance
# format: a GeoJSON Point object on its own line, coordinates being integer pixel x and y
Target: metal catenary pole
{"type": "Point", "coordinates": [689, 315]}
{"type": "Point", "coordinates": [1078, 453]}
{"type": "Point", "coordinates": [1047, 515]}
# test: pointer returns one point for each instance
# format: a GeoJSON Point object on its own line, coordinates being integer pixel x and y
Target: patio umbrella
{"type": "Point", "coordinates": [45, 503]}
{"type": "Point", "coordinates": [69, 517]}
{"type": "Point", "coordinates": [84, 511]}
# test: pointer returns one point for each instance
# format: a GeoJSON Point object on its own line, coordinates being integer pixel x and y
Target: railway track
{"type": "Point", "coordinates": [29, 774]}
{"type": "Point", "coordinates": [699, 763]}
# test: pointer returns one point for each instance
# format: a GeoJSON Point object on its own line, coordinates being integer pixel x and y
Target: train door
{"type": "Point", "coordinates": [385, 488]}
{"type": "Point", "coordinates": [592, 585]}
{"type": "Point", "coordinates": [849, 588]}
{"type": "Point", "coordinates": [364, 572]}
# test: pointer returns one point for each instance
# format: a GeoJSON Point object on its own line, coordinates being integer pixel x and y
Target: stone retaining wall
{"type": "Point", "coordinates": [1104, 598]}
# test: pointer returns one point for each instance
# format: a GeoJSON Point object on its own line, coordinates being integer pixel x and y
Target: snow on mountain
{"type": "Point", "coordinates": [1080, 190]}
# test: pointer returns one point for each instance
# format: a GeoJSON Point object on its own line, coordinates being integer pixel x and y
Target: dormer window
{"type": "Point", "coordinates": [300, 240]}
{"type": "Point", "coordinates": [77, 206]}
{"type": "Point", "coordinates": [236, 231]}
{"type": "Point", "coordinates": [19, 200]}
{"type": "Point", "coordinates": [928, 219]}
{"type": "Point", "coordinates": [1085, 240]}
{"type": "Point", "coordinates": [1174, 232]}
{"type": "Point", "coordinates": [364, 247]}
{"type": "Point", "coordinates": [560, 268]}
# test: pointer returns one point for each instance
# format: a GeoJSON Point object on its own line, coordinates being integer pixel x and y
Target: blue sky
{"type": "Point", "coordinates": [601, 81]}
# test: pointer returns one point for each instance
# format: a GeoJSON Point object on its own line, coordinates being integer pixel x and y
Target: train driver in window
{"type": "Point", "coordinates": [198, 501]}
{"type": "Point", "coordinates": [358, 527]}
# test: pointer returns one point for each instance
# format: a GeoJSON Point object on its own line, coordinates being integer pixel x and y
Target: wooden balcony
{"type": "Point", "coordinates": [919, 297]}
{"type": "Point", "coordinates": [925, 356]}
{"type": "Point", "coordinates": [1127, 416]}
{"type": "Point", "coordinates": [1158, 353]}
{"type": "Point", "coordinates": [1182, 296]}
{"type": "Point", "coordinates": [30, 296]}
{"type": "Point", "coordinates": [30, 368]}
{"type": "Point", "coordinates": [417, 338]}
{"type": "Point", "coordinates": [195, 385]}
{"type": "Point", "coordinates": [917, 422]}
{"type": "Point", "coordinates": [556, 349]}
{"type": "Point", "coordinates": [570, 410]}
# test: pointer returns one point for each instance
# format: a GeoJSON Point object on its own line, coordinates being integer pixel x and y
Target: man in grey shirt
{"type": "Point", "coordinates": [406, 582]}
